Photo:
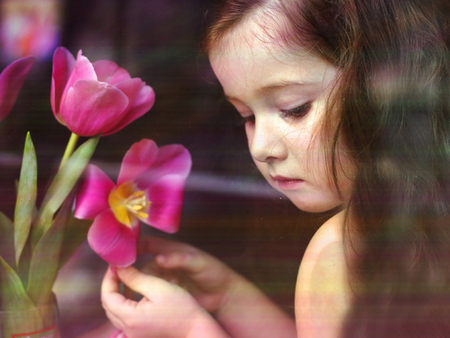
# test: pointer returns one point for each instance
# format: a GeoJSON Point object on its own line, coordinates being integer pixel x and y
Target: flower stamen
{"type": "Point", "coordinates": [136, 203]}
{"type": "Point", "coordinates": [127, 203]}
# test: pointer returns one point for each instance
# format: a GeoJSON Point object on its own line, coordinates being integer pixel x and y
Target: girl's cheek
{"type": "Point", "coordinates": [249, 131]}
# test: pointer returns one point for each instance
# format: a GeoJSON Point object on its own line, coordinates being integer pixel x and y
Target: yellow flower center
{"type": "Point", "coordinates": [128, 203]}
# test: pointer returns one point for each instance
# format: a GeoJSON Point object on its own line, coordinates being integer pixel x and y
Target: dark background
{"type": "Point", "coordinates": [229, 211]}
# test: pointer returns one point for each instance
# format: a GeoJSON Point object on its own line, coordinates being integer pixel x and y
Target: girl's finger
{"type": "Point", "coordinates": [114, 303]}
{"type": "Point", "coordinates": [115, 321]}
{"type": "Point", "coordinates": [149, 286]}
{"type": "Point", "coordinates": [110, 282]}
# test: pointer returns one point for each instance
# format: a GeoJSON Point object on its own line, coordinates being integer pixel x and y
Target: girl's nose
{"type": "Point", "coordinates": [266, 141]}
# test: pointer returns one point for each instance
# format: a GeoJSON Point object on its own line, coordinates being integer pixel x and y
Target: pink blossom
{"type": "Point", "coordinates": [11, 81]}
{"type": "Point", "coordinates": [149, 189]}
{"type": "Point", "coordinates": [93, 98]}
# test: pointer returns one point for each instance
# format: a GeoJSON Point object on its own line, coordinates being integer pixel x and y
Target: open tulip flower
{"type": "Point", "coordinates": [149, 189]}
{"type": "Point", "coordinates": [93, 98]}
{"type": "Point", "coordinates": [11, 81]}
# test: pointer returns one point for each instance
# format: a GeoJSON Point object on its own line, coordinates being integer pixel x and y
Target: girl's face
{"type": "Point", "coordinates": [281, 98]}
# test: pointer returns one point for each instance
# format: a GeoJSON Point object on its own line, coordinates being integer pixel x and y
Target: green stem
{"type": "Point", "coordinates": [69, 149]}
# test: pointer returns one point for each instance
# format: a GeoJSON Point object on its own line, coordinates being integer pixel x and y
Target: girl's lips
{"type": "Point", "coordinates": [286, 183]}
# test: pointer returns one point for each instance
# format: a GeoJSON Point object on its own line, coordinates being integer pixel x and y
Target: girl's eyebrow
{"type": "Point", "coordinates": [276, 86]}
{"type": "Point", "coordinates": [283, 84]}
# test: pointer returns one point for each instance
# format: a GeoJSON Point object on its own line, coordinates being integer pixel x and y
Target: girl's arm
{"type": "Point", "coordinates": [323, 293]}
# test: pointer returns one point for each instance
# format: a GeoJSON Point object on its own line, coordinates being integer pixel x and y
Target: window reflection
{"type": "Point", "coordinates": [29, 27]}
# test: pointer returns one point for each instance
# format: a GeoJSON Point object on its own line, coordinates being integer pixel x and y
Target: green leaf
{"type": "Point", "coordinates": [7, 239]}
{"type": "Point", "coordinates": [74, 236]}
{"type": "Point", "coordinates": [14, 296]}
{"type": "Point", "coordinates": [24, 316]}
{"type": "Point", "coordinates": [44, 263]}
{"type": "Point", "coordinates": [26, 197]}
{"type": "Point", "coordinates": [59, 189]}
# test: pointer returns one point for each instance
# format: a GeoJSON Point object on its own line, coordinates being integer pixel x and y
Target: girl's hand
{"type": "Point", "coordinates": [238, 305]}
{"type": "Point", "coordinates": [166, 310]}
{"type": "Point", "coordinates": [208, 280]}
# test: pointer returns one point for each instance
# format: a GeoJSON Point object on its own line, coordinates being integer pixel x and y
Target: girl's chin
{"type": "Point", "coordinates": [315, 205]}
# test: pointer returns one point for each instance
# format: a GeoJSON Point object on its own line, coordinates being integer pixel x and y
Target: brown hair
{"type": "Point", "coordinates": [393, 100]}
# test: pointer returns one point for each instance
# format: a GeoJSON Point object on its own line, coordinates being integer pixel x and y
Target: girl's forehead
{"type": "Point", "coordinates": [252, 56]}
{"type": "Point", "coordinates": [259, 31]}
{"type": "Point", "coordinates": [248, 69]}
{"type": "Point", "coordinates": [252, 49]}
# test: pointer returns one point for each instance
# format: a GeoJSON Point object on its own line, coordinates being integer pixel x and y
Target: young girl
{"type": "Point", "coordinates": [346, 104]}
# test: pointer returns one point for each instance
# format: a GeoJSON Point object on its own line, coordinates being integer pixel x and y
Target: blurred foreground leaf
{"type": "Point", "coordinates": [61, 186]}
{"type": "Point", "coordinates": [44, 263]}
{"type": "Point", "coordinates": [14, 296]}
{"type": "Point", "coordinates": [26, 198]}
{"type": "Point", "coordinates": [7, 239]}
{"type": "Point", "coordinates": [74, 236]}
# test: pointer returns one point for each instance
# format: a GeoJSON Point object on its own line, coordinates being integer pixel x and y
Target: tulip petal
{"type": "Point", "coordinates": [113, 241]}
{"type": "Point", "coordinates": [131, 88]}
{"type": "Point", "coordinates": [63, 64]}
{"type": "Point", "coordinates": [82, 70]}
{"type": "Point", "coordinates": [93, 107]}
{"type": "Point", "coordinates": [137, 160]}
{"type": "Point", "coordinates": [171, 159]}
{"type": "Point", "coordinates": [92, 196]}
{"type": "Point", "coordinates": [166, 197]}
{"type": "Point", "coordinates": [142, 104]}
{"type": "Point", "coordinates": [110, 72]}
{"type": "Point", "coordinates": [11, 81]}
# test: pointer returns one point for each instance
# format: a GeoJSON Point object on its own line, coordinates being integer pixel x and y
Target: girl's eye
{"type": "Point", "coordinates": [297, 112]}
{"type": "Point", "coordinates": [245, 119]}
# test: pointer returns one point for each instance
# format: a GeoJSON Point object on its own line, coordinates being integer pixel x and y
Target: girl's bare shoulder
{"type": "Point", "coordinates": [323, 292]}
{"type": "Point", "coordinates": [330, 233]}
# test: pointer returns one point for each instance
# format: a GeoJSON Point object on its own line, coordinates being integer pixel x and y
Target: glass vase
{"type": "Point", "coordinates": [38, 322]}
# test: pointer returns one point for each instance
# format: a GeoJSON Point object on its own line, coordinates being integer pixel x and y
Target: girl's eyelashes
{"type": "Point", "coordinates": [297, 112]}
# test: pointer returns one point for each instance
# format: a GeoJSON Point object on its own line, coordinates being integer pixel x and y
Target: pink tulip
{"type": "Point", "coordinates": [93, 98]}
{"type": "Point", "coordinates": [149, 189]}
{"type": "Point", "coordinates": [11, 81]}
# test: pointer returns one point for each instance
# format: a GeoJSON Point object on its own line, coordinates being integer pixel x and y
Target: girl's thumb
{"type": "Point", "coordinates": [138, 281]}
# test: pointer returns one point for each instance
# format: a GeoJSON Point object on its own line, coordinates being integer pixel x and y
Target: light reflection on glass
{"type": "Point", "coordinates": [29, 27]}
